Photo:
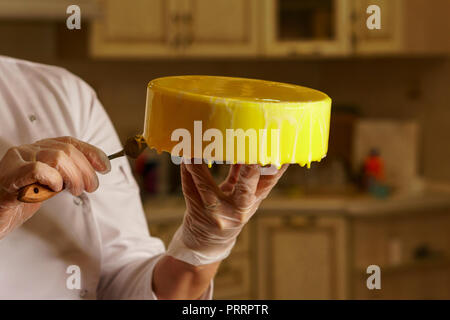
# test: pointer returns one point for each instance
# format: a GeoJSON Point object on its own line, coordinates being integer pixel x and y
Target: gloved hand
{"type": "Point", "coordinates": [215, 215]}
{"type": "Point", "coordinates": [50, 162]}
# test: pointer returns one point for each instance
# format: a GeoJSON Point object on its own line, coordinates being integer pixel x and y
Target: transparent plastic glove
{"type": "Point", "coordinates": [215, 215]}
{"type": "Point", "coordinates": [54, 163]}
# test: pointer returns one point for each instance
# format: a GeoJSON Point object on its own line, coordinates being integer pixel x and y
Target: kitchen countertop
{"type": "Point", "coordinates": [168, 208]}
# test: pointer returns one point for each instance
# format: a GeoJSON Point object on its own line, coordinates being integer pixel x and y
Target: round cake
{"type": "Point", "coordinates": [237, 120]}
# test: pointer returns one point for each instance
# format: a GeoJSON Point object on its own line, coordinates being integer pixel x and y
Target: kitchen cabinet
{"type": "Point", "coordinates": [387, 39]}
{"type": "Point", "coordinates": [248, 28]}
{"type": "Point", "coordinates": [412, 251]}
{"type": "Point", "coordinates": [407, 27]}
{"type": "Point", "coordinates": [274, 28]}
{"type": "Point", "coordinates": [233, 279]}
{"type": "Point", "coordinates": [301, 258]}
{"type": "Point", "coordinates": [339, 27]}
{"type": "Point", "coordinates": [320, 249]}
{"type": "Point", "coordinates": [310, 27]}
{"type": "Point", "coordinates": [425, 27]}
{"type": "Point", "coordinates": [222, 28]}
{"type": "Point", "coordinates": [141, 28]}
{"type": "Point", "coordinates": [173, 28]}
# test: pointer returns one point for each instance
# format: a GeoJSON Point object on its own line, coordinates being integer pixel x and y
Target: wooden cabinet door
{"type": "Point", "coordinates": [301, 258]}
{"type": "Point", "coordinates": [387, 39]}
{"type": "Point", "coordinates": [134, 28]}
{"type": "Point", "coordinates": [221, 28]}
{"type": "Point", "coordinates": [292, 27]}
{"type": "Point", "coordinates": [407, 26]}
{"type": "Point", "coordinates": [426, 26]}
{"type": "Point", "coordinates": [233, 279]}
{"type": "Point", "coordinates": [412, 251]}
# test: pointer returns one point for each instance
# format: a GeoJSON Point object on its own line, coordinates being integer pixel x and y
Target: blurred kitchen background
{"type": "Point", "coordinates": [380, 197]}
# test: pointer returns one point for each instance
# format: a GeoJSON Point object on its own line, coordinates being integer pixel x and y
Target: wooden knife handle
{"type": "Point", "coordinates": [35, 193]}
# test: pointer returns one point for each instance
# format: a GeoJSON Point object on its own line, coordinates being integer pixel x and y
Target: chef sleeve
{"type": "Point", "coordinates": [128, 252]}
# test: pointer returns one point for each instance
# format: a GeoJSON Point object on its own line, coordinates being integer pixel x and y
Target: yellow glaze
{"type": "Point", "coordinates": [301, 114]}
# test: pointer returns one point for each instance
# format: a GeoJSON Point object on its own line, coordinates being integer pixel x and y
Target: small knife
{"type": "Point", "coordinates": [36, 192]}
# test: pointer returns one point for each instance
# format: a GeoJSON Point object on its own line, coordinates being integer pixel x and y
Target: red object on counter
{"type": "Point", "coordinates": [374, 166]}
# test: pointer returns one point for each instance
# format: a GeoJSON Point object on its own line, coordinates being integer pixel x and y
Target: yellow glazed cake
{"type": "Point", "coordinates": [237, 120]}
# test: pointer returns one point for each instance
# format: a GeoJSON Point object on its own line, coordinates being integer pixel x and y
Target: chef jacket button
{"type": "Point", "coordinates": [83, 293]}
{"type": "Point", "coordinates": [77, 201]}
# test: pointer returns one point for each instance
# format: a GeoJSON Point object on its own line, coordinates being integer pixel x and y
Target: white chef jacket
{"type": "Point", "coordinates": [103, 233]}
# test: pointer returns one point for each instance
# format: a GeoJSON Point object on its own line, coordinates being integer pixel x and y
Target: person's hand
{"type": "Point", "coordinates": [55, 163]}
{"type": "Point", "coordinates": [215, 215]}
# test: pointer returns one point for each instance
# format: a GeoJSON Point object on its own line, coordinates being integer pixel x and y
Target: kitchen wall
{"type": "Point", "coordinates": [393, 87]}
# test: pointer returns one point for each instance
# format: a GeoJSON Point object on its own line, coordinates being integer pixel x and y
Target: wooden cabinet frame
{"type": "Point", "coordinates": [174, 42]}
{"type": "Point", "coordinates": [248, 47]}
{"type": "Point", "coordinates": [338, 46]}
{"type": "Point", "coordinates": [390, 41]}
{"type": "Point", "coordinates": [334, 228]}
{"type": "Point", "coordinates": [103, 46]}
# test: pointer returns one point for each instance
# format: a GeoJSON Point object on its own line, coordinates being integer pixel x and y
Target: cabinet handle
{"type": "Point", "coordinates": [187, 18]}
{"type": "Point", "coordinates": [188, 40]}
{"type": "Point", "coordinates": [175, 17]}
{"type": "Point", "coordinates": [182, 17]}
{"type": "Point", "coordinates": [182, 21]}
{"type": "Point", "coordinates": [177, 41]}
{"type": "Point", "coordinates": [187, 21]}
